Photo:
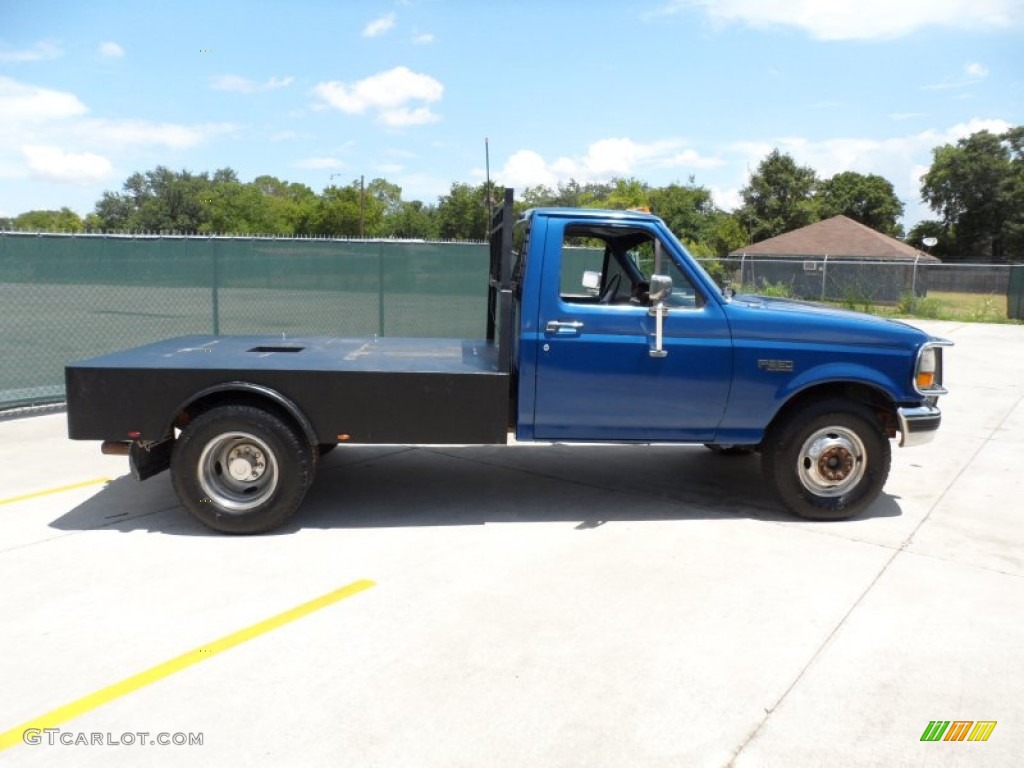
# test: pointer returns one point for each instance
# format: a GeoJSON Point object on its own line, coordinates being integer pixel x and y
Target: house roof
{"type": "Point", "coordinates": [841, 237]}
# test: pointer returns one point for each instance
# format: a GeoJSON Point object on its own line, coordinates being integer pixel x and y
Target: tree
{"type": "Point", "coordinates": [570, 194]}
{"type": "Point", "coordinates": [160, 201]}
{"type": "Point", "coordinates": [870, 199]}
{"type": "Point", "coordinates": [235, 208]}
{"type": "Point", "coordinates": [64, 220]}
{"type": "Point", "coordinates": [338, 211]}
{"type": "Point", "coordinates": [725, 234]}
{"type": "Point", "coordinates": [462, 213]}
{"type": "Point", "coordinates": [626, 194]}
{"type": "Point", "coordinates": [685, 209]}
{"type": "Point", "coordinates": [778, 198]}
{"type": "Point", "coordinates": [291, 209]}
{"type": "Point", "coordinates": [977, 186]}
{"type": "Point", "coordinates": [413, 220]}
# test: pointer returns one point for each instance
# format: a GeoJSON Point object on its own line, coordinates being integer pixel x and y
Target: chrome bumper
{"type": "Point", "coordinates": [918, 425]}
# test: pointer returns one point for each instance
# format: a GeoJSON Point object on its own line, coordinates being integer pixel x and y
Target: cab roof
{"type": "Point", "coordinates": [591, 213]}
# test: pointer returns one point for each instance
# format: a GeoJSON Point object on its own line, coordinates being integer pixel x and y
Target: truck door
{"type": "Point", "coordinates": [596, 376]}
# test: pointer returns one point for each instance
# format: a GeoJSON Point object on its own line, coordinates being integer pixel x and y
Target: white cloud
{"type": "Point", "coordinates": [858, 19]}
{"type": "Point", "coordinates": [20, 102]}
{"type": "Point", "coordinates": [244, 85]}
{"type": "Point", "coordinates": [973, 73]}
{"type": "Point", "coordinates": [380, 26]}
{"type": "Point", "coordinates": [48, 134]}
{"type": "Point", "coordinates": [526, 168]}
{"type": "Point", "coordinates": [727, 199]}
{"type": "Point", "coordinates": [392, 95]}
{"type": "Point", "coordinates": [110, 50]}
{"type": "Point", "coordinates": [284, 136]}
{"type": "Point", "coordinates": [403, 116]}
{"type": "Point", "coordinates": [603, 160]}
{"type": "Point", "coordinates": [54, 164]}
{"type": "Point", "coordinates": [41, 51]}
{"type": "Point", "coordinates": [426, 38]}
{"type": "Point", "coordinates": [320, 162]}
{"type": "Point", "coordinates": [146, 133]}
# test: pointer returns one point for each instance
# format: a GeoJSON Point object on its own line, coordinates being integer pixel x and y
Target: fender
{"type": "Point", "coordinates": [840, 373]}
{"type": "Point", "coordinates": [755, 404]}
{"type": "Point", "coordinates": [259, 390]}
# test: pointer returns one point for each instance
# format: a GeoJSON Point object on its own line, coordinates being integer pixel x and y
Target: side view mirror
{"type": "Point", "coordinates": [661, 288]}
{"type": "Point", "coordinates": [592, 281]}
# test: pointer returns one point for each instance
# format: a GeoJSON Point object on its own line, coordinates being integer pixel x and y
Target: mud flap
{"type": "Point", "coordinates": [146, 461]}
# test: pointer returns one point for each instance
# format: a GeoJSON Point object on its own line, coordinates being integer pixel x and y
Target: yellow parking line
{"type": "Point", "coordinates": [61, 489]}
{"type": "Point", "coordinates": [97, 699]}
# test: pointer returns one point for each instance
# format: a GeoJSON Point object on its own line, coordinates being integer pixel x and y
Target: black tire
{"type": "Point", "coordinates": [271, 469]}
{"type": "Point", "coordinates": [827, 461]}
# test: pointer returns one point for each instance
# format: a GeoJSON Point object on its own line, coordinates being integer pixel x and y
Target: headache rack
{"type": "Point", "coordinates": [499, 287]}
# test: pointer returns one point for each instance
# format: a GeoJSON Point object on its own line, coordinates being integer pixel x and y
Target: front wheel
{"type": "Point", "coordinates": [828, 460]}
{"type": "Point", "coordinates": [240, 469]}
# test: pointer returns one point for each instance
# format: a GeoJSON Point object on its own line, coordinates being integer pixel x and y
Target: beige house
{"type": "Point", "coordinates": [836, 259]}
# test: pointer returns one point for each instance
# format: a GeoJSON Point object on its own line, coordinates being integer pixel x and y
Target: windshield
{"type": "Point", "coordinates": [698, 267]}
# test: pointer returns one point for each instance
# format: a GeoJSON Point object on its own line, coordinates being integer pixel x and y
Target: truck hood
{"type": "Point", "coordinates": [768, 318]}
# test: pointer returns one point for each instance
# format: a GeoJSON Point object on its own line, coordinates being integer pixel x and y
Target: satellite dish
{"type": "Point", "coordinates": [930, 241]}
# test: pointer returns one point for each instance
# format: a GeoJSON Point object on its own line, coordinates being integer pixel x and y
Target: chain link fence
{"type": "Point", "coordinates": [68, 297]}
{"type": "Point", "coordinates": [65, 298]}
{"type": "Point", "coordinates": [923, 287]}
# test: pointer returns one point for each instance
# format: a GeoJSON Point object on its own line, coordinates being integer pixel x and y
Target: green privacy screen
{"type": "Point", "coordinates": [65, 298]}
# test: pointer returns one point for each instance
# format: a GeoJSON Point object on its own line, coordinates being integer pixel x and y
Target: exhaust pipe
{"type": "Point", "coordinates": [115, 448]}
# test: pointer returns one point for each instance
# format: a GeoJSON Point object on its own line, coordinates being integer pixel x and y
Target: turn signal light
{"type": "Point", "coordinates": [926, 370]}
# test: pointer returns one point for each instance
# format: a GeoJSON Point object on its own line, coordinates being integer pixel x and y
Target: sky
{"type": "Point", "coordinates": [323, 92]}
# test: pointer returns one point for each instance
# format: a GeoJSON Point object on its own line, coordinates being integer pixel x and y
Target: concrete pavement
{"type": "Point", "coordinates": [534, 605]}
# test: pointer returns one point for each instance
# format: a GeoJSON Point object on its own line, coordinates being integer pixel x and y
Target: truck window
{"type": "Point", "coordinates": [577, 260]}
{"type": "Point", "coordinates": [611, 265]}
{"type": "Point", "coordinates": [684, 294]}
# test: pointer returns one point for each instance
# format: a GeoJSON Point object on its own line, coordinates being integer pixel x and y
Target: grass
{"type": "Point", "coordinates": [948, 305]}
{"type": "Point", "coordinates": [937, 305]}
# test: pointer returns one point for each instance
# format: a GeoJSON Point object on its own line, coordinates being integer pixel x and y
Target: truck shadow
{"type": "Point", "coordinates": [401, 486]}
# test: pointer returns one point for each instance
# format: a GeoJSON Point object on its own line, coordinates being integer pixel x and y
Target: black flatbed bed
{"type": "Point", "coordinates": [372, 390]}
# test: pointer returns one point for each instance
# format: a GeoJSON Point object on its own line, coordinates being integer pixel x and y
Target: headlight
{"type": "Point", "coordinates": [928, 369]}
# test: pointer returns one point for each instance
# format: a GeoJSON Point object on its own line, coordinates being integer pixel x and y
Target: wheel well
{"type": "Point", "coordinates": [242, 397]}
{"type": "Point", "coordinates": [879, 403]}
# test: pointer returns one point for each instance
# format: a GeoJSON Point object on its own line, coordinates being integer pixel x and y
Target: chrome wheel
{"type": "Point", "coordinates": [831, 461]}
{"type": "Point", "coordinates": [237, 471]}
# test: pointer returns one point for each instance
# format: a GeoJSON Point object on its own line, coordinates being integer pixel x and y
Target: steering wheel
{"type": "Point", "coordinates": [641, 294]}
{"type": "Point", "coordinates": [611, 289]}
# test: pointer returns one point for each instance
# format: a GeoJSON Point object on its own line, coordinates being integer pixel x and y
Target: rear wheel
{"type": "Point", "coordinates": [828, 460]}
{"type": "Point", "coordinates": [240, 469]}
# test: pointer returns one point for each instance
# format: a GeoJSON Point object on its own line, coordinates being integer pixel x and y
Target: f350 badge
{"type": "Point", "coordinates": [776, 366]}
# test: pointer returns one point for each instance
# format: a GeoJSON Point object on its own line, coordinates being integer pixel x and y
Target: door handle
{"type": "Point", "coordinates": [564, 327]}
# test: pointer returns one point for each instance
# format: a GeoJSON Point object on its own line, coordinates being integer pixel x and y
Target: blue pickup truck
{"type": "Point", "coordinates": [600, 327]}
